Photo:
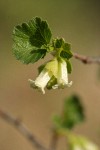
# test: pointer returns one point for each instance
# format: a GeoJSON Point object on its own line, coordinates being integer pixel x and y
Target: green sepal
{"type": "Point", "coordinates": [69, 66]}
{"type": "Point", "coordinates": [51, 82]}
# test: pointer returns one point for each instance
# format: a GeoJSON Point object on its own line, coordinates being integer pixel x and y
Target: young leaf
{"type": "Point", "coordinates": [30, 40]}
{"type": "Point", "coordinates": [65, 48]}
{"type": "Point", "coordinates": [66, 52]}
{"type": "Point", "coordinates": [73, 112]}
{"type": "Point", "coordinates": [58, 43]}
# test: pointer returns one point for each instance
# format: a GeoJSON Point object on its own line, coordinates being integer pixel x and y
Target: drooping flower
{"type": "Point", "coordinates": [49, 70]}
{"type": "Point", "coordinates": [56, 69]}
{"type": "Point", "coordinates": [62, 75]}
{"type": "Point", "coordinates": [41, 81]}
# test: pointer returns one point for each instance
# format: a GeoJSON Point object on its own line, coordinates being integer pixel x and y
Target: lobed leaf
{"type": "Point", "coordinates": [30, 40]}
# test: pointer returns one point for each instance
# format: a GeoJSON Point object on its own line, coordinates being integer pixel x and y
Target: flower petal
{"type": "Point", "coordinates": [52, 66]}
{"type": "Point", "coordinates": [62, 78]}
{"type": "Point", "coordinates": [41, 81]}
{"type": "Point", "coordinates": [62, 73]}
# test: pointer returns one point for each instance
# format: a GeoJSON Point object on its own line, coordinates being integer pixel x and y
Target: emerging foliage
{"type": "Point", "coordinates": [32, 41]}
{"type": "Point", "coordinates": [72, 113]}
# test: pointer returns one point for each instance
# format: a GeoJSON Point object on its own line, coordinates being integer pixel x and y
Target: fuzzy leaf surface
{"type": "Point", "coordinates": [30, 40]}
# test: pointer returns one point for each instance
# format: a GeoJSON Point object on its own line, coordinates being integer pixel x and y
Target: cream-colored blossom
{"type": "Point", "coordinates": [49, 70]}
{"type": "Point", "coordinates": [54, 68]}
{"type": "Point", "coordinates": [41, 81]}
{"type": "Point", "coordinates": [62, 76]}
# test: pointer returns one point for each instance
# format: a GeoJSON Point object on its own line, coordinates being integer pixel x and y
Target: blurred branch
{"type": "Point", "coordinates": [21, 128]}
{"type": "Point", "coordinates": [86, 59]}
{"type": "Point", "coordinates": [54, 140]}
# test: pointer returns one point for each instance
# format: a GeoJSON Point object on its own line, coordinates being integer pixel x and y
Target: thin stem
{"type": "Point", "coordinates": [84, 59]}
{"type": "Point", "coordinates": [87, 60]}
{"type": "Point", "coordinates": [22, 129]}
{"type": "Point", "coordinates": [54, 140]}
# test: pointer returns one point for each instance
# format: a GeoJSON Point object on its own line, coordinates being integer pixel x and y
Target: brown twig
{"type": "Point", "coordinates": [22, 129]}
{"type": "Point", "coordinates": [54, 139]}
{"type": "Point", "coordinates": [86, 59]}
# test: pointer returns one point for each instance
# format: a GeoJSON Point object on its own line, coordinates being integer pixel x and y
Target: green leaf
{"type": "Point", "coordinates": [72, 113]}
{"type": "Point", "coordinates": [30, 40]}
{"type": "Point", "coordinates": [67, 47]}
{"type": "Point", "coordinates": [42, 34]}
{"type": "Point", "coordinates": [58, 43]}
{"type": "Point", "coordinates": [63, 47]}
{"type": "Point", "coordinates": [66, 54]}
{"type": "Point", "coordinates": [69, 66]}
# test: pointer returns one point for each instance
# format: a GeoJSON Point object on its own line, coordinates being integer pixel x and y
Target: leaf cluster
{"type": "Point", "coordinates": [33, 40]}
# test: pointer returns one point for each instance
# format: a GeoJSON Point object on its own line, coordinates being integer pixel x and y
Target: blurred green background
{"type": "Point", "coordinates": [78, 21]}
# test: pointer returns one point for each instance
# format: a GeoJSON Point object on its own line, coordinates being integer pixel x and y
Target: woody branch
{"type": "Point", "coordinates": [21, 127]}
{"type": "Point", "coordinates": [86, 59]}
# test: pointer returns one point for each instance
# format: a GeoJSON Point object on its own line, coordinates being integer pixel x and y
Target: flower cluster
{"type": "Point", "coordinates": [56, 69]}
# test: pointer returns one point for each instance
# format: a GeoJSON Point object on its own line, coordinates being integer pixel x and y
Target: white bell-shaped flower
{"type": "Point", "coordinates": [62, 75]}
{"type": "Point", "coordinates": [49, 70]}
{"type": "Point", "coordinates": [41, 81]}
{"type": "Point", "coordinates": [56, 68]}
